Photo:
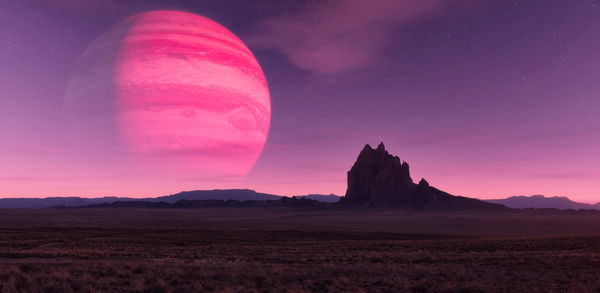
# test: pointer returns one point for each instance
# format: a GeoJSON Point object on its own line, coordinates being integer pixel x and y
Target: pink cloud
{"type": "Point", "coordinates": [339, 36]}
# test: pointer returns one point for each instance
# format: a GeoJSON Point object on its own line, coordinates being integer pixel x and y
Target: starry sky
{"type": "Point", "coordinates": [485, 99]}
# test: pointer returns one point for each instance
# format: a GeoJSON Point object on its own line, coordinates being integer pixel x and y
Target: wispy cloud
{"type": "Point", "coordinates": [567, 175]}
{"type": "Point", "coordinates": [34, 179]}
{"type": "Point", "coordinates": [339, 36]}
{"type": "Point", "coordinates": [571, 135]}
{"type": "Point", "coordinates": [85, 6]}
{"type": "Point", "coordinates": [30, 150]}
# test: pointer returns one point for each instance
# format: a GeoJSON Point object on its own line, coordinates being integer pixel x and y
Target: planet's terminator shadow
{"type": "Point", "coordinates": [89, 107]}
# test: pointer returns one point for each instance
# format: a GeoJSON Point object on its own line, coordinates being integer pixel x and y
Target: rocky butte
{"type": "Point", "coordinates": [380, 179]}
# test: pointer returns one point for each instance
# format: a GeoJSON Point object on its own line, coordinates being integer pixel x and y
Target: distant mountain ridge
{"type": "Point", "coordinates": [216, 194]}
{"type": "Point", "coordinates": [288, 202]}
{"type": "Point", "coordinates": [331, 198]}
{"type": "Point", "coordinates": [543, 202]}
{"type": "Point", "coordinates": [38, 203]}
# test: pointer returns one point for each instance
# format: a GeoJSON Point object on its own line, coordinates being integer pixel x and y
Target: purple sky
{"type": "Point", "coordinates": [482, 98]}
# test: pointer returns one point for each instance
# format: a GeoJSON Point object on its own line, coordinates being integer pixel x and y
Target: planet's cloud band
{"type": "Point", "coordinates": [179, 91]}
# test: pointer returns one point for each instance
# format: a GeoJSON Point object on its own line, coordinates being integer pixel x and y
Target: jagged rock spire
{"type": "Point", "coordinates": [378, 175]}
{"type": "Point", "coordinates": [423, 183]}
{"type": "Point", "coordinates": [380, 179]}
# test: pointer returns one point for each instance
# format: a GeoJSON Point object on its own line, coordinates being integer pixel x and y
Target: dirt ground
{"type": "Point", "coordinates": [279, 250]}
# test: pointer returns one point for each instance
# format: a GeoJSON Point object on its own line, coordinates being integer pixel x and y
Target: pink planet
{"type": "Point", "coordinates": [186, 93]}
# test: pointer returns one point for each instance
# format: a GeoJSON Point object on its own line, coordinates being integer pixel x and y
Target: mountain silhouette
{"type": "Point", "coordinates": [320, 197]}
{"type": "Point", "coordinates": [38, 203]}
{"type": "Point", "coordinates": [380, 179]}
{"type": "Point", "coordinates": [217, 194]}
{"type": "Point", "coordinates": [543, 202]}
{"type": "Point", "coordinates": [288, 202]}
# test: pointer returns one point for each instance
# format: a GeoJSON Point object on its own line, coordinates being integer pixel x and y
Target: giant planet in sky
{"type": "Point", "coordinates": [170, 90]}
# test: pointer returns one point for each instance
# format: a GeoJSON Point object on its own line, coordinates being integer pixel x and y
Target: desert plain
{"type": "Point", "coordinates": [298, 250]}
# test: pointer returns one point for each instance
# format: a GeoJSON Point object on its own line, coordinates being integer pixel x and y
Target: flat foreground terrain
{"type": "Point", "coordinates": [247, 250]}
